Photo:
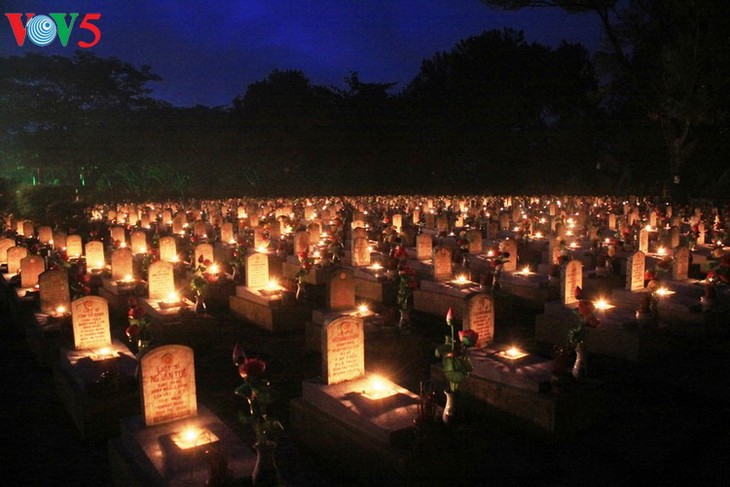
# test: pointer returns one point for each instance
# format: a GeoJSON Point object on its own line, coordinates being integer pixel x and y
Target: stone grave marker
{"type": "Point", "coordinates": [572, 277]}
{"type": "Point", "coordinates": [504, 221]}
{"type": "Point", "coordinates": [95, 255]}
{"type": "Point", "coordinates": [168, 384]}
{"type": "Point", "coordinates": [442, 224]}
{"type": "Point", "coordinates": [635, 268]}
{"type": "Point", "coordinates": [31, 267]}
{"type": "Point", "coordinates": [117, 235]}
{"type": "Point", "coordinates": [168, 249]}
{"type": "Point", "coordinates": [74, 247]}
{"type": "Point", "coordinates": [139, 242]}
{"type": "Point", "coordinates": [59, 240]}
{"type": "Point", "coordinates": [611, 221]}
{"type": "Point", "coordinates": [200, 229]}
{"type": "Point", "coordinates": [680, 263]}
{"type": "Point", "coordinates": [341, 289]}
{"type": "Point", "coordinates": [167, 217]}
{"type": "Point", "coordinates": [122, 264]}
{"type": "Point", "coordinates": [160, 280]}
{"type": "Point", "coordinates": [480, 318]}
{"type": "Point", "coordinates": [360, 252]}
{"type": "Point", "coordinates": [90, 318]}
{"type": "Point", "coordinates": [53, 291]}
{"type": "Point", "coordinates": [5, 244]}
{"type": "Point", "coordinates": [442, 265]}
{"type": "Point", "coordinates": [206, 251]}
{"type": "Point", "coordinates": [424, 247]}
{"type": "Point", "coordinates": [178, 223]}
{"type": "Point", "coordinates": [314, 230]}
{"type": "Point", "coordinates": [475, 241]}
{"type": "Point", "coordinates": [509, 246]}
{"type": "Point", "coordinates": [15, 255]}
{"type": "Point", "coordinates": [257, 270]}
{"type": "Point", "coordinates": [398, 221]}
{"type": "Point", "coordinates": [227, 232]}
{"type": "Point", "coordinates": [643, 240]}
{"type": "Point", "coordinates": [343, 349]}
{"type": "Point", "coordinates": [45, 235]}
{"type": "Point", "coordinates": [28, 230]}
{"type": "Point", "coordinates": [301, 242]}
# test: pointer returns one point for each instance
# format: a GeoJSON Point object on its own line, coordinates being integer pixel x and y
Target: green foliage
{"type": "Point", "coordinates": [51, 205]}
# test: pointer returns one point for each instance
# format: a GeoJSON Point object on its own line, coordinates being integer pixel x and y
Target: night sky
{"type": "Point", "coordinates": [208, 52]}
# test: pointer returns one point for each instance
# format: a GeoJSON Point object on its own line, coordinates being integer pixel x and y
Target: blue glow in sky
{"type": "Point", "coordinates": [208, 52]}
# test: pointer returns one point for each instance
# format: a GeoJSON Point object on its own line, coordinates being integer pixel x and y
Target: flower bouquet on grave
{"type": "Point", "coordinates": [306, 264]}
{"type": "Point", "coordinates": [256, 390]}
{"type": "Point", "coordinates": [497, 262]}
{"type": "Point", "coordinates": [456, 362]}
{"type": "Point", "coordinates": [138, 331]}
{"type": "Point", "coordinates": [586, 313]}
{"type": "Point", "coordinates": [238, 260]}
{"type": "Point", "coordinates": [79, 281]}
{"type": "Point", "coordinates": [406, 284]}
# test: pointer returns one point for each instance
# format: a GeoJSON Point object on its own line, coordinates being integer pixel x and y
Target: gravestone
{"type": "Point", "coordinates": [257, 270]}
{"type": "Point", "coordinates": [424, 247]}
{"type": "Point", "coordinates": [442, 224]}
{"type": "Point", "coordinates": [680, 263]}
{"type": "Point", "coordinates": [118, 235]}
{"type": "Point", "coordinates": [59, 240]}
{"type": "Point", "coordinates": [15, 255]}
{"type": "Point", "coordinates": [360, 252]}
{"type": "Point", "coordinates": [509, 246]}
{"type": "Point", "coordinates": [475, 241]}
{"type": "Point", "coordinates": [5, 244]}
{"type": "Point", "coordinates": [178, 223]}
{"type": "Point", "coordinates": [95, 255]}
{"type": "Point", "coordinates": [504, 221]}
{"type": "Point", "coordinates": [259, 238]}
{"type": "Point", "coordinates": [90, 318]}
{"type": "Point", "coordinates": [206, 251]}
{"type": "Point", "coordinates": [31, 267]}
{"type": "Point", "coordinates": [398, 221]}
{"type": "Point", "coordinates": [343, 349]}
{"type": "Point", "coordinates": [53, 291]}
{"type": "Point", "coordinates": [301, 242]}
{"type": "Point", "coordinates": [635, 268]}
{"type": "Point", "coordinates": [341, 289]}
{"type": "Point", "coordinates": [122, 266]}
{"type": "Point", "coordinates": [442, 265]}
{"type": "Point", "coordinates": [314, 230]}
{"type": "Point", "coordinates": [200, 229]}
{"type": "Point", "coordinates": [160, 280]}
{"type": "Point", "coordinates": [74, 247]}
{"type": "Point", "coordinates": [227, 232]}
{"type": "Point", "coordinates": [168, 249]}
{"type": "Point", "coordinates": [168, 384]}
{"type": "Point", "coordinates": [28, 230]}
{"type": "Point", "coordinates": [611, 221]}
{"type": "Point", "coordinates": [480, 318]}
{"type": "Point", "coordinates": [45, 235]}
{"type": "Point", "coordinates": [572, 277]}
{"type": "Point", "coordinates": [139, 242]}
{"type": "Point", "coordinates": [167, 217]}
{"type": "Point", "coordinates": [643, 240]}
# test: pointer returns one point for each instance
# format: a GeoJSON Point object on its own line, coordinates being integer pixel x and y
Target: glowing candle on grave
{"type": "Point", "coordinates": [661, 251]}
{"type": "Point", "coordinates": [602, 304]}
{"type": "Point", "coordinates": [214, 269]}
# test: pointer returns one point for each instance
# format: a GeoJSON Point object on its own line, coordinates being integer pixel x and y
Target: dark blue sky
{"type": "Point", "coordinates": [208, 52]}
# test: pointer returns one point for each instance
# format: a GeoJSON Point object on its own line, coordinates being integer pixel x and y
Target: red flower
{"type": "Point", "coordinates": [137, 313]}
{"type": "Point", "coordinates": [449, 316]}
{"type": "Point", "coordinates": [251, 367]}
{"type": "Point", "coordinates": [578, 293]}
{"type": "Point", "coordinates": [468, 337]}
{"type": "Point", "coordinates": [132, 302]}
{"type": "Point", "coordinates": [586, 307]}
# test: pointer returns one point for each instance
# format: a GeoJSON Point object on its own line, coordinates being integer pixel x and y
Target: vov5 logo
{"type": "Point", "coordinates": [42, 30]}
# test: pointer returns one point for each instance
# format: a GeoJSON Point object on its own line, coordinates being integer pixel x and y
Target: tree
{"type": "Point", "coordinates": [667, 58]}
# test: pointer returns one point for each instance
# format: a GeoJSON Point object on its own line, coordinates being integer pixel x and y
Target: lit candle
{"type": "Point", "coordinates": [214, 269]}
{"type": "Point", "coordinates": [525, 270]}
{"type": "Point", "coordinates": [602, 305]}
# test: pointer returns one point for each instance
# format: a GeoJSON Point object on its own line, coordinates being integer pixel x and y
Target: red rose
{"type": "Point", "coordinates": [586, 307]}
{"type": "Point", "coordinates": [468, 337]}
{"type": "Point", "coordinates": [239, 356]}
{"type": "Point", "coordinates": [251, 367]}
{"type": "Point", "coordinates": [137, 313]}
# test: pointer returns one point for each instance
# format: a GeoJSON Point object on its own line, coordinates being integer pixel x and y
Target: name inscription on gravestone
{"type": "Point", "coordinates": [168, 384]}
{"type": "Point", "coordinates": [343, 346]}
{"type": "Point", "coordinates": [90, 317]}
